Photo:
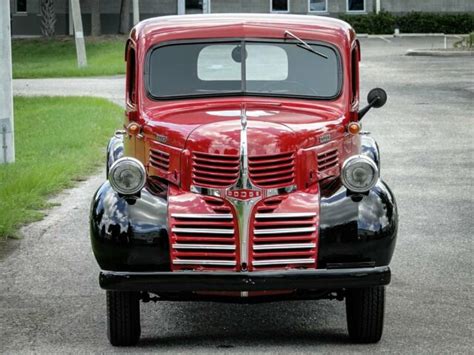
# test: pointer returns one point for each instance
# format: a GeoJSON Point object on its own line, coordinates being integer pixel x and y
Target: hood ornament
{"type": "Point", "coordinates": [243, 194]}
{"type": "Point", "coordinates": [243, 189]}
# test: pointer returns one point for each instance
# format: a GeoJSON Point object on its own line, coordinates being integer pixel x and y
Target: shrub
{"type": "Point", "coordinates": [466, 42]}
{"type": "Point", "coordinates": [413, 22]}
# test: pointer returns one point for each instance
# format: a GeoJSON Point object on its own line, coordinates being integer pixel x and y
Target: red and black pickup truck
{"type": "Point", "coordinates": [241, 173]}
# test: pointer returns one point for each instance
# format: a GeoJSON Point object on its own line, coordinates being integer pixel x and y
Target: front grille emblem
{"type": "Point", "coordinates": [243, 194]}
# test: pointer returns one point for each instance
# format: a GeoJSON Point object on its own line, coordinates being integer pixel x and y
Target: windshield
{"type": "Point", "coordinates": [243, 68]}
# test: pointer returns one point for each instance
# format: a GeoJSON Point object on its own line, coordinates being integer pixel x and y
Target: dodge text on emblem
{"type": "Point", "coordinates": [244, 194]}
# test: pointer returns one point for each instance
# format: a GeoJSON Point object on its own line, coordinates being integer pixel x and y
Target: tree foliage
{"type": "Point", "coordinates": [413, 22]}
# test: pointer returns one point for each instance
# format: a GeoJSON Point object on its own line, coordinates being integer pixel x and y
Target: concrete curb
{"type": "Point", "coordinates": [410, 35]}
{"type": "Point", "coordinates": [439, 53]}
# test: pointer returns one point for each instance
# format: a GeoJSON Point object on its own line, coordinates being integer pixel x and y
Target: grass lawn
{"type": "Point", "coordinates": [42, 58]}
{"type": "Point", "coordinates": [58, 141]}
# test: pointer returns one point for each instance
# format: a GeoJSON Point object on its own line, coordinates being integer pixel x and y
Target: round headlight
{"type": "Point", "coordinates": [127, 176]}
{"type": "Point", "coordinates": [359, 173]}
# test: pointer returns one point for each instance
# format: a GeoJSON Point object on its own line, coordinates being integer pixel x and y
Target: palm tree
{"type": "Point", "coordinates": [48, 18]}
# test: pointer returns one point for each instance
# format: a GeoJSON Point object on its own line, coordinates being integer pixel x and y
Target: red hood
{"type": "Point", "coordinates": [271, 128]}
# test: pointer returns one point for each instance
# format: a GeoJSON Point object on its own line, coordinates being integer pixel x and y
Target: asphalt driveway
{"type": "Point", "coordinates": [49, 295]}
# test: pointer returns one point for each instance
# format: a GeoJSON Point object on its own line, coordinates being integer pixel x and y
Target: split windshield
{"type": "Point", "coordinates": [243, 68]}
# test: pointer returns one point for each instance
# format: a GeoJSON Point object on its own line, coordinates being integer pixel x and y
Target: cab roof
{"type": "Point", "coordinates": [242, 25]}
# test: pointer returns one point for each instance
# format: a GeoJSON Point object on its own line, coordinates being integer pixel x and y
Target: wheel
{"type": "Point", "coordinates": [123, 318]}
{"type": "Point", "coordinates": [365, 309]}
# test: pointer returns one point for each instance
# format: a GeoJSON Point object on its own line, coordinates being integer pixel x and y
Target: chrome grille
{"type": "Point", "coordinates": [284, 239]}
{"type": "Point", "coordinates": [201, 241]}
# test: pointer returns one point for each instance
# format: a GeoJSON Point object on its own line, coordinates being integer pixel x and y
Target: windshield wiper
{"type": "Point", "coordinates": [305, 45]}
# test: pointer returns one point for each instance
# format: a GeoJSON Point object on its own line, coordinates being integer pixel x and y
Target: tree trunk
{"type": "Point", "coordinates": [48, 18]}
{"type": "Point", "coordinates": [95, 18]}
{"type": "Point", "coordinates": [124, 25]}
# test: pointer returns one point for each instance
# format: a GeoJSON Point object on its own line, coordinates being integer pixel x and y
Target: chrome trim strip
{"type": "Point", "coordinates": [203, 216]}
{"type": "Point", "coordinates": [204, 262]}
{"type": "Point", "coordinates": [209, 191]}
{"type": "Point", "coordinates": [244, 159]}
{"type": "Point", "coordinates": [202, 231]}
{"type": "Point", "coordinates": [283, 261]}
{"type": "Point", "coordinates": [284, 230]}
{"type": "Point", "coordinates": [243, 208]}
{"type": "Point", "coordinates": [284, 246]}
{"type": "Point", "coordinates": [280, 190]}
{"type": "Point", "coordinates": [204, 246]}
{"type": "Point", "coordinates": [284, 215]}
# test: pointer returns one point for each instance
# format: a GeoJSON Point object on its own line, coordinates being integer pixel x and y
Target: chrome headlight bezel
{"type": "Point", "coordinates": [136, 167]}
{"type": "Point", "coordinates": [364, 162]}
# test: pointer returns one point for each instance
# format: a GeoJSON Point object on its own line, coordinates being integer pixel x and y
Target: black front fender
{"type": "Point", "coordinates": [358, 229]}
{"type": "Point", "coordinates": [370, 148]}
{"type": "Point", "coordinates": [129, 235]}
{"type": "Point", "coordinates": [114, 151]}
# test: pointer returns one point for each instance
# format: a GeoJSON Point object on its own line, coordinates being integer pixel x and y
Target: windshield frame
{"type": "Point", "coordinates": [242, 40]}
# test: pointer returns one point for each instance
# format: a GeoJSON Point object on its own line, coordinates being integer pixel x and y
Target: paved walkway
{"type": "Point", "coordinates": [112, 88]}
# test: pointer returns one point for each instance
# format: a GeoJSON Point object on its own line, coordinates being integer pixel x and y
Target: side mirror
{"type": "Point", "coordinates": [376, 98]}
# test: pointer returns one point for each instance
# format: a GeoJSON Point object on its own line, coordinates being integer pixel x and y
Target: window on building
{"type": "Point", "coordinates": [280, 5]}
{"type": "Point", "coordinates": [20, 5]}
{"type": "Point", "coordinates": [194, 4]}
{"type": "Point", "coordinates": [318, 5]}
{"type": "Point", "coordinates": [355, 5]}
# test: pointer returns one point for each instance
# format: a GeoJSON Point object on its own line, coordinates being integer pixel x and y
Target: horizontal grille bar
{"type": "Point", "coordinates": [327, 159]}
{"type": "Point", "coordinates": [203, 231]}
{"type": "Point", "coordinates": [284, 215]}
{"type": "Point", "coordinates": [201, 216]}
{"type": "Point", "coordinates": [283, 262]}
{"type": "Point", "coordinates": [204, 246]}
{"type": "Point", "coordinates": [272, 170]}
{"type": "Point", "coordinates": [284, 231]}
{"type": "Point", "coordinates": [215, 170]}
{"type": "Point", "coordinates": [204, 262]}
{"type": "Point", "coordinates": [284, 246]}
{"type": "Point", "coordinates": [159, 159]}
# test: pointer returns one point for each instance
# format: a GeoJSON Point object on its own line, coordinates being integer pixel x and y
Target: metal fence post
{"type": "Point", "coordinates": [7, 140]}
{"type": "Point", "coordinates": [79, 34]}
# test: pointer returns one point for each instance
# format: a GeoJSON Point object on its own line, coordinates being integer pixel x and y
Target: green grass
{"type": "Point", "coordinates": [43, 58]}
{"type": "Point", "coordinates": [58, 141]}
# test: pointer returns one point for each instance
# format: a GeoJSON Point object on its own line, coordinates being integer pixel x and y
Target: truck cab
{"type": "Point", "coordinates": [241, 173]}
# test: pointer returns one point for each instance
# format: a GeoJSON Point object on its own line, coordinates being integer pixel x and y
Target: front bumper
{"type": "Point", "coordinates": [185, 281]}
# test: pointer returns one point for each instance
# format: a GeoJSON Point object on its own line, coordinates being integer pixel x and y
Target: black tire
{"type": "Point", "coordinates": [123, 318]}
{"type": "Point", "coordinates": [365, 309]}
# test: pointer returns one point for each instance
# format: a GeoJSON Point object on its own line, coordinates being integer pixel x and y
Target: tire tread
{"type": "Point", "coordinates": [123, 318]}
{"type": "Point", "coordinates": [365, 314]}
